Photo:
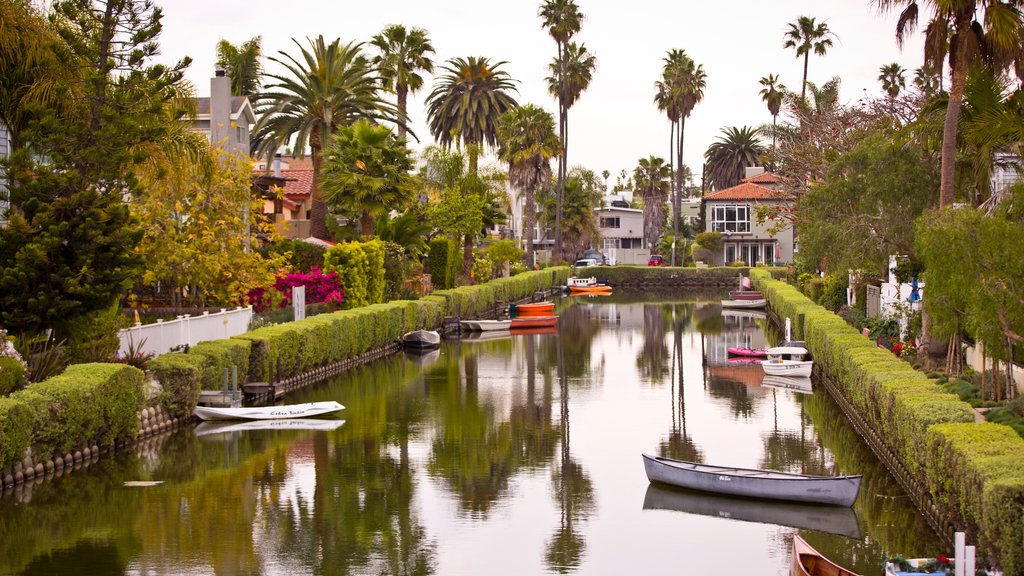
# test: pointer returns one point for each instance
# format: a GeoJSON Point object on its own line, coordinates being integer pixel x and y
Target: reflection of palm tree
{"type": "Point", "coordinates": [653, 358]}
{"type": "Point", "coordinates": [679, 444]}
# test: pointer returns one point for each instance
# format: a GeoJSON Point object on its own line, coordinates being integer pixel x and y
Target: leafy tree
{"type": "Point", "coordinates": [408, 230]}
{"type": "Point", "coordinates": [403, 55]}
{"type": "Point", "coordinates": [528, 142]}
{"type": "Point", "coordinates": [772, 93]}
{"type": "Point", "coordinates": [893, 79]}
{"type": "Point", "coordinates": [735, 150]}
{"type": "Point", "coordinates": [328, 86]}
{"type": "Point", "coordinates": [501, 252]}
{"type": "Point", "coordinates": [583, 194]}
{"type": "Point", "coordinates": [242, 64]}
{"type": "Point", "coordinates": [927, 81]}
{"type": "Point", "coordinates": [865, 209]}
{"type": "Point", "coordinates": [804, 36]}
{"type": "Point", "coordinates": [651, 177]}
{"type": "Point", "coordinates": [367, 171]}
{"type": "Point", "coordinates": [971, 33]}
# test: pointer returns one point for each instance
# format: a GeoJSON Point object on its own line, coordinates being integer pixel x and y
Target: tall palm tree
{"type": "Point", "coordinates": [893, 79]}
{"type": "Point", "coordinates": [735, 150]}
{"type": "Point", "coordinates": [772, 92]}
{"type": "Point", "coordinates": [968, 32]}
{"type": "Point", "coordinates": [403, 54]}
{"type": "Point", "coordinates": [242, 64]}
{"type": "Point", "coordinates": [651, 178]}
{"type": "Point", "coordinates": [465, 107]}
{"type": "Point", "coordinates": [563, 20]}
{"type": "Point", "coordinates": [927, 81]}
{"type": "Point", "coordinates": [805, 35]}
{"type": "Point", "coordinates": [527, 141]}
{"type": "Point", "coordinates": [328, 86]}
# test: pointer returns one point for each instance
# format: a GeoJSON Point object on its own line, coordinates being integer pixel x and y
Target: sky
{"type": "Point", "coordinates": [615, 122]}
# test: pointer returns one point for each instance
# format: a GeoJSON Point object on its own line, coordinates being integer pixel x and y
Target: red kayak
{"type": "Point", "coordinates": [746, 295]}
{"type": "Point", "coordinates": [543, 308]}
{"type": "Point", "coordinates": [747, 352]}
{"type": "Point", "coordinates": [534, 322]}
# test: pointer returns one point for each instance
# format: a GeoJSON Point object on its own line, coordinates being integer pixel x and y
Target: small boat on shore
{"type": "Point", "coordinates": [534, 322]}
{"type": "Point", "coordinates": [752, 483]}
{"type": "Point", "coordinates": [746, 295]}
{"type": "Point", "coordinates": [306, 410]}
{"type": "Point", "coordinates": [748, 352]}
{"type": "Point", "coordinates": [485, 325]}
{"type": "Point", "coordinates": [751, 304]}
{"type": "Point", "coordinates": [787, 361]}
{"type": "Point", "coordinates": [809, 562]}
{"type": "Point", "coordinates": [534, 308]}
{"type": "Point", "coordinates": [421, 339]}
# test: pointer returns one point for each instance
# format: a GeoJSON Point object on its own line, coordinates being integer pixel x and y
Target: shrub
{"type": "Point", "coordinates": [299, 256]}
{"type": "Point", "coordinates": [483, 269]}
{"type": "Point", "coordinates": [395, 266]}
{"type": "Point", "coordinates": [12, 375]}
{"type": "Point", "coordinates": [444, 263]}
{"type": "Point", "coordinates": [15, 430]}
{"type": "Point", "coordinates": [221, 355]}
{"type": "Point", "coordinates": [350, 262]}
{"type": "Point", "coordinates": [374, 270]}
{"type": "Point", "coordinates": [94, 337]}
{"type": "Point", "coordinates": [502, 251]}
{"type": "Point", "coordinates": [710, 240]}
{"type": "Point", "coordinates": [833, 291]}
{"type": "Point", "coordinates": [180, 376]}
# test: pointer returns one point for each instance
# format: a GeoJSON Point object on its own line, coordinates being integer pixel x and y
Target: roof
{"type": "Point", "coordinates": [748, 191]}
{"type": "Point", "coordinates": [617, 209]}
{"type": "Point", "coordinates": [239, 105]}
{"type": "Point", "coordinates": [298, 184]}
{"type": "Point", "coordinates": [764, 178]}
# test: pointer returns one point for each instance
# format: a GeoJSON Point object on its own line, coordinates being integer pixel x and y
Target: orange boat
{"type": "Point", "coordinates": [534, 322]}
{"type": "Point", "coordinates": [541, 308]}
{"type": "Point", "coordinates": [550, 330]}
{"type": "Point", "coordinates": [594, 289]}
{"type": "Point", "coordinates": [809, 562]}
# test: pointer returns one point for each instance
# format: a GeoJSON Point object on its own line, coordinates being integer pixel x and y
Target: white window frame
{"type": "Point", "coordinates": [740, 222]}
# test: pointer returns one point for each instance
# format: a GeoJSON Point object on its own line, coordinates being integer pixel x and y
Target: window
{"type": "Point", "coordinates": [610, 243]}
{"type": "Point", "coordinates": [730, 218]}
{"type": "Point", "coordinates": [730, 253]}
{"type": "Point", "coordinates": [610, 222]}
{"type": "Point", "coordinates": [769, 254]}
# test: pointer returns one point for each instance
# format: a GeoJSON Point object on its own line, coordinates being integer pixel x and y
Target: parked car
{"type": "Point", "coordinates": [655, 260]}
{"type": "Point", "coordinates": [585, 263]}
{"type": "Point", "coordinates": [601, 259]}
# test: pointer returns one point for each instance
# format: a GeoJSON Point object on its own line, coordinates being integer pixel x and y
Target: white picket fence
{"type": "Point", "coordinates": [163, 336]}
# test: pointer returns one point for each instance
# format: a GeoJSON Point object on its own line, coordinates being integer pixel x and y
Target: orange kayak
{"type": "Point", "coordinates": [534, 322]}
{"type": "Point", "coordinates": [595, 289]}
{"type": "Point", "coordinates": [545, 308]}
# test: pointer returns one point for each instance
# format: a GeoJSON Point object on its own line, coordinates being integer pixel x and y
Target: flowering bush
{"type": "Point", "coordinates": [320, 287]}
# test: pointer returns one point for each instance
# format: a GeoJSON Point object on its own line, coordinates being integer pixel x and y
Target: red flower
{"type": "Point", "coordinates": [943, 560]}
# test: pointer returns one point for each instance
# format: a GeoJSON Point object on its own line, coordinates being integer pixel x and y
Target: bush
{"type": "Point", "coordinates": [710, 240]}
{"type": "Point", "coordinates": [93, 337]}
{"type": "Point", "coordinates": [374, 270]}
{"type": "Point", "coordinates": [180, 377]}
{"type": "Point", "coordinates": [833, 291]}
{"type": "Point", "coordinates": [502, 251]}
{"type": "Point", "coordinates": [395, 266]}
{"type": "Point", "coordinates": [444, 263]}
{"type": "Point", "coordinates": [299, 256]}
{"type": "Point", "coordinates": [483, 269]}
{"type": "Point", "coordinates": [350, 262]}
{"type": "Point", "coordinates": [12, 375]}
{"type": "Point", "coordinates": [15, 430]}
{"type": "Point", "coordinates": [221, 355]}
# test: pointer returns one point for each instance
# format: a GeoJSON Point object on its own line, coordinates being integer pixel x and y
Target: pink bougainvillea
{"type": "Point", "coordinates": [320, 287]}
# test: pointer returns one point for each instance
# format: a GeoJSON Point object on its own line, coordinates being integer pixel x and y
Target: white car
{"type": "Point", "coordinates": [585, 263]}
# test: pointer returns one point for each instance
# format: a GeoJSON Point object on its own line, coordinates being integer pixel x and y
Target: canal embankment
{"type": "Point", "coordinates": [962, 475]}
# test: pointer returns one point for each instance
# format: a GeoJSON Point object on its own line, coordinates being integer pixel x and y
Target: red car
{"type": "Point", "coordinates": [655, 260]}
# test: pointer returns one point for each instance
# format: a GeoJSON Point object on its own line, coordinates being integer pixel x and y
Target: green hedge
{"type": "Point", "coordinates": [180, 377]}
{"type": "Point", "coordinates": [15, 430]}
{"type": "Point", "coordinates": [633, 275]}
{"type": "Point", "coordinates": [12, 375]}
{"type": "Point", "coordinates": [444, 263]}
{"type": "Point", "coordinates": [87, 404]}
{"type": "Point", "coordinates": [360, 266]}
{"type": "Point", "coordinates": [973, 472]}
{"type": "Point", "coordinates": [221, 355]}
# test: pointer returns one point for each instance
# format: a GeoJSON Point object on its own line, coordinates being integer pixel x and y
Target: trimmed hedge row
{"type": "Point", "coordinates": [87, 404]}
{"type": "Point", "coordinates": [669, 276]}
{"type": "Point", "coordinates": [931, 431]}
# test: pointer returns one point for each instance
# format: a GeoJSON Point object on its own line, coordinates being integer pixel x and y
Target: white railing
{"type": "Point", "coordinates": [163, 336]}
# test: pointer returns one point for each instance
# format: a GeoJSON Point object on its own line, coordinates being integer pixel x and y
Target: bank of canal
{"type": "Point", "coordinates": [516, 455]}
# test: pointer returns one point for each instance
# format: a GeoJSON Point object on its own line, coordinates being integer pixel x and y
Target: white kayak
{"type": "Point", "coordinates": [268, 412]}
{"type": "Point", "coordinates": [755, 304]}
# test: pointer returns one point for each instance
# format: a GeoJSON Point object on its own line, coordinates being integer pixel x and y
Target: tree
{"type": "Point", "coordinates": [465, 107]}
{"type": "Point", "coordinates": [242, 64]}
{"type": "Point", "coordinates": [893, 79]}
{"type": "Point", "coordinates": [804, 36]}
{"type": "Point", "coordinates": [582, 195]}
{"type": "Point", "coordinates": [927, 81]}
{"type": "Point", "coordinates": [366, 170]}
{"type": "Point", "coordinates": [651, 177]}
{"type": "Point", "coordinates": [735, 150]}
{"type": "Point", "coordinates": [563, 20]}
{"type": "Point", "coordinates": [403, 55]}
{"type": "Point", "coordinates": [772, 93]}
{"type": "Point", "coordinates": [328, 86]}
{"type": "Point", "coordinates": [528, 142]}
{"type": "Point", "coordinates": [970, 33]}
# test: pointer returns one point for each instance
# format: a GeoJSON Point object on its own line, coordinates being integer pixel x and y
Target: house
{"type": "Point", "coordinates": [288, 195]}
{"type": "Point", "coordinates": [733, 212]}
{"type": "Point", "coordinates": [223, 118]}
{"type": "Point", "coordinates": [622, 234]}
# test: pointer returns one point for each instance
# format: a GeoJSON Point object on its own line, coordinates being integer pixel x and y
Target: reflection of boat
{"type": "Point", "coordinates": [837, 490]}
{"type": "Point", "coordinates": [486, 336]}
{"type": "Point", "coordinates": [817, 517]}
{"type": "Point", "coordinates": [745, 360]}
{"type": "Point", "coordinates": [421, 339]}
{"type": "Point", "coordinates": [552, 331]}
{"type": "Point", "coordinates": [208, 428]}
{"type": "Point", "coordinates": [746, 295]}
{"type": "Point", "coordinates": [423, 357]}
{"type": "Point", "coordinates": [787, 361]}
{"type": "Point", "coordinates": [744, 303]}
{"type": "Point", "coordinates": [534, 321]}
{"type": "Point", "coordinates": [748, 352]}
{"type": "Point", "coordinates": [591, 294]}
{"type": "Point", "coordinates": [543, 308]}
{"type": "Point", "coordinates": [744, 314]}
{"type": "Point", "coordinates": [268, 412]}
{"type": "Point", "coordinates": [807, 561]}
{"type": "Point", "coordinates": [795, 383]}
{"type": "Point", "coordinates": [485, 325]}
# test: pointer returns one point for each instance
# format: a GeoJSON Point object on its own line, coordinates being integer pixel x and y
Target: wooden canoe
{"type": "Point", "coordinates": [807, 561]}
{"type": "Point", "coordinates": [751, 483]}
{"type": "Point", "coordinates": [534, 322]}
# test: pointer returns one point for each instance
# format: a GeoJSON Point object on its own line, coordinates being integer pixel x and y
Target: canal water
{"type": "Point", "coordinates": [496, 455]}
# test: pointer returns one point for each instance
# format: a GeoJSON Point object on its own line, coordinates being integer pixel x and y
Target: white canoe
{"type": "Point", "coordinates": [787, 368]}
{"type": "Point", "coordinates": [486, 325]}
{"type": "Point", "coordinates": [209, 428]}
{"type": "Point", "coordinates": [421, 339]}
{"type": "Point", "coordinates": [753, 304]}
{"type": "Point", "coordinates": [834, 490]}
{"type": "Point", "coordinates": [268, 412]}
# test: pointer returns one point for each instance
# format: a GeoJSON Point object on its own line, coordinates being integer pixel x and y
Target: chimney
{"type": "Point", "coordinates": [220, 109]}
{"type": "Point", "coordinates": [751, 171]}
{"type": "Point", "coordinates": [277, 165]}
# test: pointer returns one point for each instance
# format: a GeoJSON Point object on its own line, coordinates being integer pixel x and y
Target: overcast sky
{"type": "Point", "coordinates": [615, 122]}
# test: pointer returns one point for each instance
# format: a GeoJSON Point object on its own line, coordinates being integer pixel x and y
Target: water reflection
{"type": "Point", "coordinates": [514, 455]}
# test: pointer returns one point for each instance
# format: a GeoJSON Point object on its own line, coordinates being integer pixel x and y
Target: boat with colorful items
{"type": "Point", "coordinates": [787, 361]}
{"type": "Point", "coordinates": [807, 561]}
{"type": "Point", "coordinates": [534, 322]}
{"type": "Point", "coordinates": [750, 352]}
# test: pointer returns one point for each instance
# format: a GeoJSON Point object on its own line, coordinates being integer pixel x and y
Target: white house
{"type": "Point", "coordinates": [223, 118]}
{"type": "Point", "coordinates": [733, 212]}
{"type": "Point", "coordinates": [622, 234]}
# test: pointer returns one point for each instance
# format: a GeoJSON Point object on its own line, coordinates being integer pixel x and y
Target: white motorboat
{"type": "Point", "coordinates": [750, 304]}
{"type": "Point", "coordinates": [268, 412]}
{"type": "Point", "coordinates": [581, 282]}
{"type": "Point", "coordinates": [485, 325]}
{"type": "Point", "coordinates": [209, 428]}
{"type": "Point", "coordinates": [787, 361]}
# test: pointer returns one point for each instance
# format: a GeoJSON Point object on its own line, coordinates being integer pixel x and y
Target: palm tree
{"type": "Point", "coordinates": [772, 93]}
{"type": "Point", "coordinates": [893, 79]}
{"type": "Point", "coordinates": [465, 107]}
{"type": "Point", "coordinates": [563, 20]}
{"type": "Point", "coordinates": [331, 85]}
{"type": "Point", "coordinates": [651, 177]}
{"type": "Point", "coordinates": [735, 150]}
{"type": "Point", "coordinates": [366, 171]}
{"type": "Point", "coordinates": [927, 81]}
{"type": "Point", "coordinates": [969, 33]}
{"type": "Point", "coordinates": [806, 35]}
{"type": "Point", "coordinates": [403, 54]}
{"type": "Point", "coordinates": [242, 65]}
{"type": "Point", "coordinates": [528, 142]}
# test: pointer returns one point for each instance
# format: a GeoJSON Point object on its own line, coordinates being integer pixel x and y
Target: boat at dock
{"type": "Point", "coordinates": [534, 322]}
{"type": "Point", "coordinates": [748, 352]}
{"type": "Point", "coordinates": [485, 325]}
{"type": "Point", "coordinates": [787, 361]}
{"type": "Point", "coordinates": [747, 304]}
{"type": "Point", "coordinates": [421, 340]}
{"type": "Point", "coordinates": [306, 410]}
{"type": "Point", "coordinates": [807, 561]}
{"type": "Point", "coordinates": [753, 483]}
{"type": "Point", "coordinates": [533, 308]}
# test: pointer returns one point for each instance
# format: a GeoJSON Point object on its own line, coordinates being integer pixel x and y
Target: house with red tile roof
{"type": "Point", "coordinates": [733, 212]}
{"type": "Point", "coordinates": [287, 197]}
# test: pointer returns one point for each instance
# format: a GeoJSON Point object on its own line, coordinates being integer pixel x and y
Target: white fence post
{"type": "Point", "coordinates": [299, 302]}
